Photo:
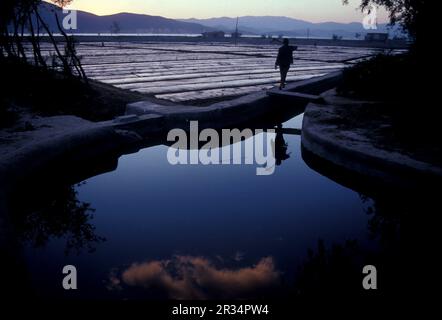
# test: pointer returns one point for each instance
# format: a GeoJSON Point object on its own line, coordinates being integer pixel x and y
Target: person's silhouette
{"type": "Point", "coordinates": [284, 60]}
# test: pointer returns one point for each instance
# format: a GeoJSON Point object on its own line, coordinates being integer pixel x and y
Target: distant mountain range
{"type": "Point", "coordinates": [252, 25]}
{"type": "Point", "coordinates": [127, 22]}
{"type": "Point", "coordinates": [271, 25]}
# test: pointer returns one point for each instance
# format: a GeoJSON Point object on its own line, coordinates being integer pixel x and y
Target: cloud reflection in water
{"type": "Point", "coordinates": [187, 277]}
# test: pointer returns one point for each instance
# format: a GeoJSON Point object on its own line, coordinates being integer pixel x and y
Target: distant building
{"type": "Point", "coordinates": [213, 34]}
{"type": "Point", "coordinates": [378, 37]}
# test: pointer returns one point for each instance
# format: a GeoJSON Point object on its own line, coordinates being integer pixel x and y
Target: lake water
{"type": "Point", "coordinates": [159, 231]}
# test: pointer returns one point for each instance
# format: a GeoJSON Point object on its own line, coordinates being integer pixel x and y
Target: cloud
{"type": "Point", "coordinates": [187, 277]}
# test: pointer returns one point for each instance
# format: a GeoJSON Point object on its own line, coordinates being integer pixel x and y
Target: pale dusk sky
{"type": "Point", "coordinates": [310, 10]}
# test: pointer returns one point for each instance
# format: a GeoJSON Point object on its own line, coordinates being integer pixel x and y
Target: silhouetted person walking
{"type": "Point", "coordinates": [284, 60]}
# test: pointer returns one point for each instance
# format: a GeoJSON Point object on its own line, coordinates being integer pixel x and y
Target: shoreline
{"type": "Point", "coordinates": [389, 44]}
{"type": "Point", "coordinates": [147, 121]}
{"type": "Point", "coordinates": [143, 119]}
{"type": "Point", "coordinates": [354, 149]}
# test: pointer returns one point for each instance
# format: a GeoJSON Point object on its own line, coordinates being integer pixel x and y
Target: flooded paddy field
{"type": "Point", "coordinates": [188, 72]}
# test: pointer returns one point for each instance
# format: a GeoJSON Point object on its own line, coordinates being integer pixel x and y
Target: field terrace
{"type": "Point", "coordinates": [202, 73]}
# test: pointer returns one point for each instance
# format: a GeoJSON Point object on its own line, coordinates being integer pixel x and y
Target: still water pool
{"type": "Point", "coordinates": [153, 230]}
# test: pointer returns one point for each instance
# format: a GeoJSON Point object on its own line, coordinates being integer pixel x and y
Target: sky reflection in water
{"type": "Point", "coordinates": [202, 232]}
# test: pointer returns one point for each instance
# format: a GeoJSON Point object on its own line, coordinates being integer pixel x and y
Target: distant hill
{"type": "Point", "coordinates": [273, 25]}
{"type": "Point", "coordinates": [269, 25]}
{"type": "Point", "coordinates": [255, 24]}
{"type": "Point", "coordinates": [127, 22]}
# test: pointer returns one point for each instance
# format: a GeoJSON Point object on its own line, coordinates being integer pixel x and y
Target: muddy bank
{"type": "Point", "coordinates": [354, 146]}
{"type": "Point", "coordinates": [86, 141]}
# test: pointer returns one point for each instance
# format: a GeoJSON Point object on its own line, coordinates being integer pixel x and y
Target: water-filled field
{"type": "Point", "coordinates": [195, 72]}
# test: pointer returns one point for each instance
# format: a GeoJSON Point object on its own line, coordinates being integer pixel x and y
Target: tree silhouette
{"type": "Point", "coordinates": [62, 217]}
{"type": "Point", "coordinates": [412, 15]}
{"type": "Point", "coordinates": [20, 16]}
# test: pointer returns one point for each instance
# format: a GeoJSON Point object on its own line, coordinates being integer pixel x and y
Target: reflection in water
{"type": "Point", "coordinates": [280, 147]}
{"type": "Point", "coordinates": [389, 207]}
{"type": "Point", "coordinates": [385, 219]}
{"type": "Point", "coordinates": [147, 201]}
{"type": "Point", "coordinates": [64, 216]}
{"type": "Point", "coordinates": [337, 270]}
{"type": "Point", "coordinates": [187, 277]}
{"type": "Point", "coordinates": [331, 271]}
